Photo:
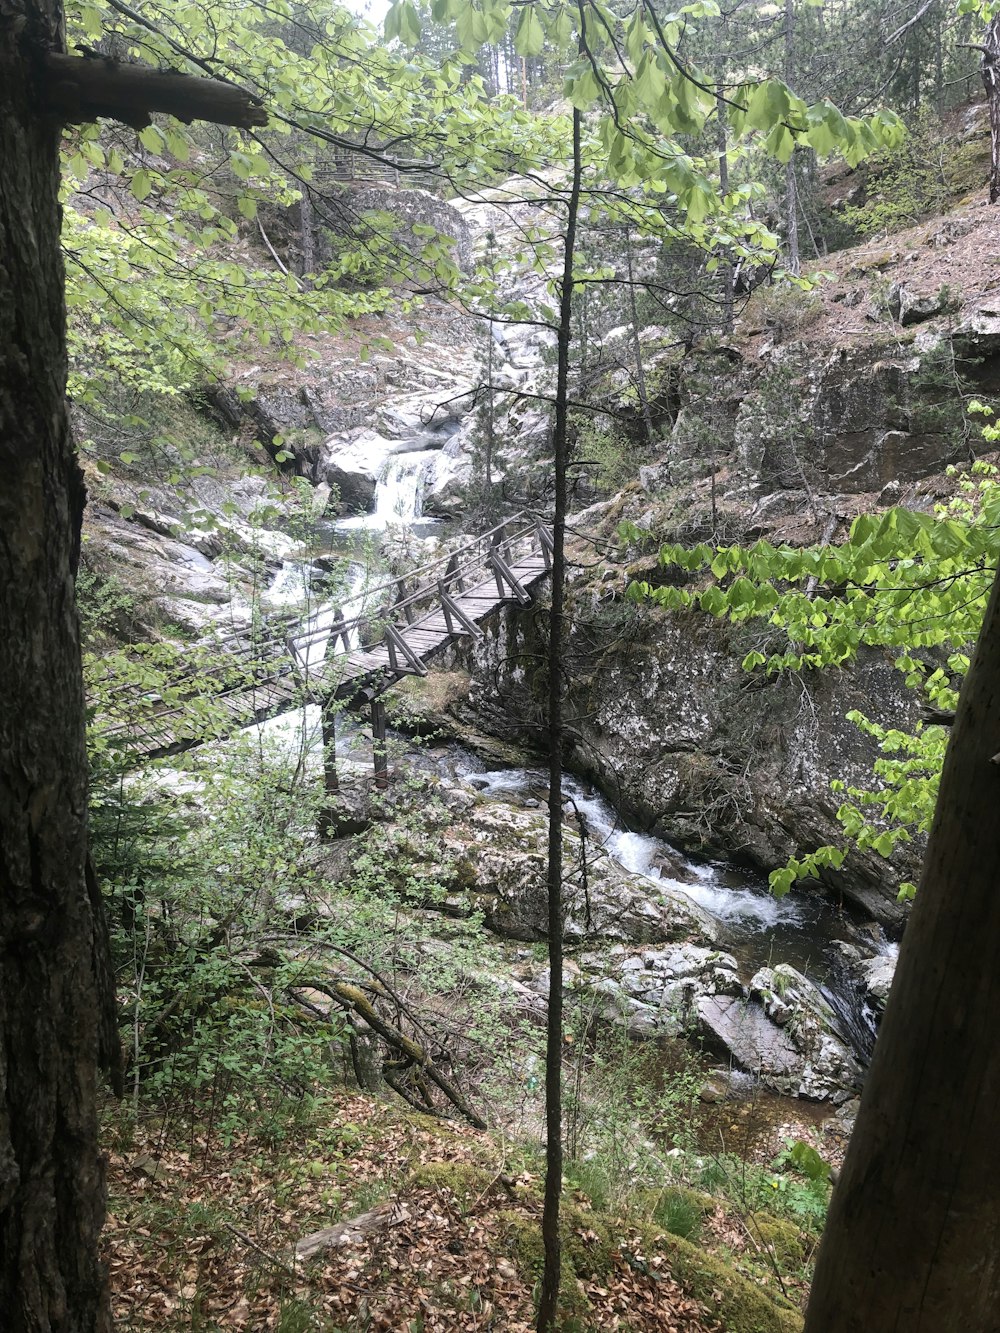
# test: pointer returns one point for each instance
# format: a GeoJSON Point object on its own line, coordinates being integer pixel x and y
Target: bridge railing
{"type": "Point", "coordinates": [244, 666]}
{"type": "Point", "coordinates": [404, 599]}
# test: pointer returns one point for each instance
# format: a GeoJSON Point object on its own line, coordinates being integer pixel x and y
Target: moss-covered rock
{"type": "Point", "coordinates": [789, 1247]}
{"type": "Point", "coordinates": [742, 1306]}
{"type": "Point", "coordinates": [464, 1179]}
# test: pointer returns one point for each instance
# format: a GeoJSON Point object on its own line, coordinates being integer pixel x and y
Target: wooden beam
{"type": "Point", "coordinates": [504, 574]}
{"type": "Point", "coordinates": [452, 612]}
{"type": "Point", "coordinates": [81, 88]}
{"type": "Point", "coordinates": [379, 755]}
{"type": "Point", "coordinates": [396, 644]}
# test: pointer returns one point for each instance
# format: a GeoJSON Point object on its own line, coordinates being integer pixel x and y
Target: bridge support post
{"type": "Point", "coordinates": [327, 823]}
{"type": "Point", "coordinates": [378, 745]}
{"type": "Point", "coordinates": [331, 783]}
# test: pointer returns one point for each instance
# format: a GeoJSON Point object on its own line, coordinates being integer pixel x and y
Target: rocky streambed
{"type": "Point", "coordinates": [788, 992]}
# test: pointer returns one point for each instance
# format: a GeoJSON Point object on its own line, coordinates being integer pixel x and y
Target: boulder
{"type": "Point", "coordinates": [498, 857]}
{"type": "Point", "coordinates": [657, 991]}
{"type": "Point", "coordinates": [910, 307]}
{"type": "Point", "coordinates": [351, 463]}
{"type": "Point", "coordinates": [784, 1032]}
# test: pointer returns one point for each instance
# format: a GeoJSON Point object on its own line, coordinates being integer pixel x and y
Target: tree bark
{"type": "Point", "coordinates": [912, 1242]}
{"type": "Point", "coordinates": [56, 1006]}
{"type": "Point", "coordinates": [307, 235]}
{"type": "Point", "coordinates": [549, 1297]}
{"type": "Point", "coordinates": [791, 185]}
{"type": "Point", "coordinates": [990, 71]}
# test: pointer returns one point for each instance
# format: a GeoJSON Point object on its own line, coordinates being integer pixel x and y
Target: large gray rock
{"type": "Point", "coordinates": [909, 307]}
{"type": "Point", "coordinates": [497, 857]}
{"type": "Point", "coordinates": [656, 992]}
{"type": "Point", "coordinates": [827, 421]}
{"type": "Point", "coordinates": [787, 1034]}
{"type": "Point", "coordinates": [351, 463]}
{"type": "Point", "coordinates": [407, 208]}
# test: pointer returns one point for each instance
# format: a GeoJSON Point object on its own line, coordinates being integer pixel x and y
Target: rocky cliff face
{"type": "Point", "coordinates": [688, 745]}
{"type": "Point", "coordinates": [827, 405]}
{"type": "Point", "coordinates": [830, 423]}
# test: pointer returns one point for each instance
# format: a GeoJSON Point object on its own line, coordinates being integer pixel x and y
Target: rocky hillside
{"type": "Point", "coordinates": [823, 404]}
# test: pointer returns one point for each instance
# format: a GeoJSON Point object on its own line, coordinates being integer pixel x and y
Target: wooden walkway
{"type": "Point", "coordinates": [335, 657]}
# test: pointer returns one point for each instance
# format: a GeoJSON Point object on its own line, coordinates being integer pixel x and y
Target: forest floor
{"type": "Point", "coordinates": [443, 1234]}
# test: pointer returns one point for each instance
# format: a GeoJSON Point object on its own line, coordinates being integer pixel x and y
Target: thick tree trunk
{"type": "Point", "coordinates": [53, 988]}
{"type": "Point", "coordinates": [82, 88]}
{"type": "Point", "coordinates": [912, 1243]}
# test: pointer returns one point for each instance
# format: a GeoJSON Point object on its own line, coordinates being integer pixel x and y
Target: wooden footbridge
{"type": "Point", "coordinates": [333, 656]}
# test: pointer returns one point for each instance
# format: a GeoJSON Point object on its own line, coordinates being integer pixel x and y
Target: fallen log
{"type": "Point", "coordinates": [352, 1232]}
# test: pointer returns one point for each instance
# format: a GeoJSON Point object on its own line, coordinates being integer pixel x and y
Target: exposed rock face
{"type": "Point", "coordinates": [828, 422]}
{"type": "Point", "coordinates": [658, 992]}
{"type": "Point", "coordinates": [490, 856]}
{"type": "Point", "coordinates": [909, 307]}
{"type": "Point", "coordinates": [498, 857]}
{"type": "Point", "coordinates": [783, 1031]}
{"type": "Point", "coordinates": [778, 1028]}
{"type": "Point", "coordinates": [691, 746]}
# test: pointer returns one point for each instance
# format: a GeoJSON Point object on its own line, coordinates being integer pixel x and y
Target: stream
{"type": "Point", "coordinates": [802, 930]}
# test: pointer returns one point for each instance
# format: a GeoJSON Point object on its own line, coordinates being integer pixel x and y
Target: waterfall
{"type": "Point", "coordinates": [399, 493]}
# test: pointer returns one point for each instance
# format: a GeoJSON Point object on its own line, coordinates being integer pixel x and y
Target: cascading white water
{"type": "Point", "coordinates": [290, 585]}
{"type": "Point", "coordinates": [289, 588]}
{"type": "Point", "coordinates": [645, 855]}
{"type": "Point", "coordinates": [314, 633]}
{"type": "Point", "coordinates": [398, 495]}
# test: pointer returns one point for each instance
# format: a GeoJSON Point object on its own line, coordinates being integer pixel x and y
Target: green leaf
{"type": "Point", "coordinates": [780, 143]}
{"type": "Point", "coordinates": [470, 28]}
{"type": "Point", "coordinates": [636, 35]}
{"type": "Point", "coordinates": [583, 91]}
{"type": "Point", "coordinates": [151, 139]}
{"type": "Point", "coordinates": [650, 81]}
{"type": "Point", "coordinates": [529, 36]}
{"type": "Point", "coordinates": [178, 145]}
{"type": "Point", "coordinates": [808, 1160]}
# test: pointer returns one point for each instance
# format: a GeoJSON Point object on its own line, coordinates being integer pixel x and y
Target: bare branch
{"type": "Point", "coordinates": [909, 22]}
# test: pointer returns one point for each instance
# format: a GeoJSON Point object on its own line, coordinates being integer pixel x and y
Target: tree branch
{"type": "Point", "coordinates": [908, 24]}
{"type": "Point", "coordinates": [81, 89]}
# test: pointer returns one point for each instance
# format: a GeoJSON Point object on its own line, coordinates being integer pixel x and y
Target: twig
{"type": "Point", "coordinates": [274, 1259]}
{"type": "Point", "coordinates": [274, 255]}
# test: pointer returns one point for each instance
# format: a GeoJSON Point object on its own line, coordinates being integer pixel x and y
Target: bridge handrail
{"type": "Point", "coordinates": [477, 550]}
